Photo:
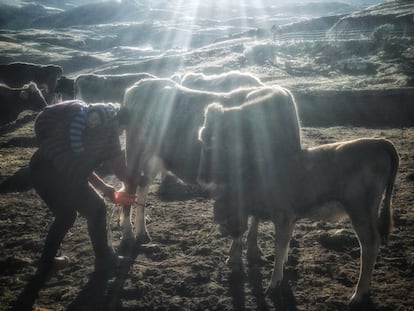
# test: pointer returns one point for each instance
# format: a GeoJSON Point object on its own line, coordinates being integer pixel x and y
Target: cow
{"type": "Point", "coordinates": [224, 82]}
{"type": "Point", "coordinates": [15, 100]}
{"type": "Point", "coordinates": [163, 134]}
{"type": "Point", "coordinates": [327, 182]}
{"type": "Point", "coordinates": [65, 88]}
{"type": "Point", "coordinates": [93, 88]}
{"type": "Point", "coordinates": [45, 76]}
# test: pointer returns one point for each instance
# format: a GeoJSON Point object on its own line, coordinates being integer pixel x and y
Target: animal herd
{"type": "Point", "coordinates": [240, 139]}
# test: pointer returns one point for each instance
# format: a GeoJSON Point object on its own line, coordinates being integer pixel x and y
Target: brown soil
{"type": "Point", "coordinates": [184, 268]}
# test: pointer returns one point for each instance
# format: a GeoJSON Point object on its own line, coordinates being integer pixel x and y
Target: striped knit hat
{"type": "Point", "coordinates": [107, 111]}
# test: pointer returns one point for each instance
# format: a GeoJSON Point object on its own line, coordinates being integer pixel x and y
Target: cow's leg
{"type": "Point", "coordinates": [365, 225]}
{"type": "Point", "coordinates": [125, 216]}
{"type": "Point", "coordinates": [254, 253]}
{"type": "Point", "coordinates": [141, 233]}
{"type": "Point", "coordinates": [284, 225]}
{"type": "Point", "coordinates": [125, 223]}
{"type": "Point", "coordinates": [151, 169]}
{"type": "Point", "coordinates": [234, 262]}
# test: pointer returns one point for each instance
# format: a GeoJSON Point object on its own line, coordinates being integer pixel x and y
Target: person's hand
{"type": "Point", "coordinates": [108, 192]}
{"type": "Point", "coordinates": [124, 198]}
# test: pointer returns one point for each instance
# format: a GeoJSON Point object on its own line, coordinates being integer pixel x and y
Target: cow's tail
{"type": "Point", "coordinates": [385, 224]}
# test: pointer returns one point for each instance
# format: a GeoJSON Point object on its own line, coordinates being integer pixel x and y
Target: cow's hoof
{"type": "Point", "coordinates": [142, 239]}
{"type": "Point", "coordinates": [274, 290]}
{"type": "Point", "coordinates": [234, 266]}
{"type": "Point", "coordinates": [61, 262]}
{"type": "Point", "coordinates": [270, 291]}
{"type": "Point", "coordinates": [363, 302]}
{"type": "Point", "coordinates": [256, 258]}
{"type": "Point", "coordinates": [126, 246]}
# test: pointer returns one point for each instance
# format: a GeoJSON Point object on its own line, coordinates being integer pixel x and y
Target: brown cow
{"type": "Point", "coordinates": [45, 76]}
{"type": "Point", "coordinates": [252, 177]}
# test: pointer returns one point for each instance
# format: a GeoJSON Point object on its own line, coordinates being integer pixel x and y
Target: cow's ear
{"type": "Point", "coordinates": [24, 94]}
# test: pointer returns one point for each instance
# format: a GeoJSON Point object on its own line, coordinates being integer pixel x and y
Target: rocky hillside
{"type": "Point", "coordinates": [399, 15]}
{"type": "Point", "coordinates": [340, 53]}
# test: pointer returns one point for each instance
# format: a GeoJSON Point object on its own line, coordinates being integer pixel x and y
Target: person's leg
{"type": "Point", "coordinates": [57, 231]}
{"type": "Point", "coordinates": [55, 235]}
{"type": "Point", "coordinates": [93, 208]}
{"type": "Point", "coordinates": [52, 189]}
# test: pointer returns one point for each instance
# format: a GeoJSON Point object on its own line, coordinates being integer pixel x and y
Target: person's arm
{"type": "Point", "coordinates": [98, 183]}
{"type": "Point", "coordinates": [119, 168]}
{"type": "Point", "coordinates": [121, 197]}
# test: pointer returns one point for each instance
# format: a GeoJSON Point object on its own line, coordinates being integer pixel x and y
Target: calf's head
{"type": "Point", "coordinates": [231, 212]}
{"type": "Point", "coordinates": [221, 166]}
{"type": "Point", "coordinates": [222, 145]}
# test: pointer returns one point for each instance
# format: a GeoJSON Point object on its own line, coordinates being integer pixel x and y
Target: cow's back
{"type": "Point", "coordinates": [106, 88]}
{"type": "Point", "coordinates": [165, 119]}
{"type": "Point", "coordinates": [17, 74]}
{"type": "Point", "coordinates": [225, 82]}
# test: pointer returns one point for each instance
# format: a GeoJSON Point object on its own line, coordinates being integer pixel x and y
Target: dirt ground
{"type": "Point", "coordinates": [184, 266]}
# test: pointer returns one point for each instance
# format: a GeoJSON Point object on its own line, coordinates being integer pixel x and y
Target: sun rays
{"type": "Point", "coordinates": [188, 18]}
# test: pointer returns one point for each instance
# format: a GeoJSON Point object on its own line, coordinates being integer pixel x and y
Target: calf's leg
{"type": "Point", "coordinates": [254, 253]}
{"type": "Point", "coordinates": [235, 262]}
{"type": "Point", "coordinates": [284, 225]}
{"type": "Point", "coordinates": [365, 226]}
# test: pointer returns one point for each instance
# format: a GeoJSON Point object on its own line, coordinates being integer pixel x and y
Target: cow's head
{"type": "Point", "coordinates": [31, 97]}
{"type": "Point", "coordinates": [66, 87]}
